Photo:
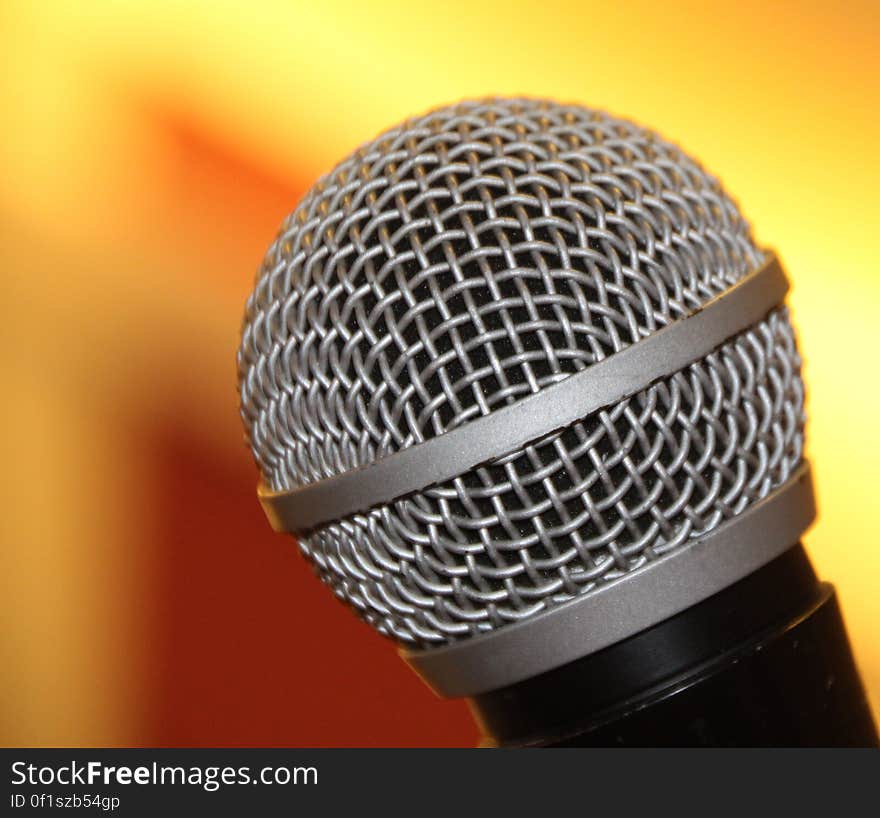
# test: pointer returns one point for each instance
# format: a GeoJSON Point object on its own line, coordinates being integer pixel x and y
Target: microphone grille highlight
{"type": "Point", "coordinates": [462, 262]}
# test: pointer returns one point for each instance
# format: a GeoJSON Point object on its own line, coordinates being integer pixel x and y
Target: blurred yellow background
{"type": "Point", "coordinates": [149, 150]}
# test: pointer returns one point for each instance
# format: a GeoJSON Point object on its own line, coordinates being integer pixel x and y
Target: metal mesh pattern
{"type": "Point", "coordinates": [461, 262]}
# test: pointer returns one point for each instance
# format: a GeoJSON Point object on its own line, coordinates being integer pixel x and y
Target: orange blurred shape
{"type": "Point", "coordinates": [222, 208]}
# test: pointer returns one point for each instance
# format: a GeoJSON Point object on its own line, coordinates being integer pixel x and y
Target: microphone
{"type": "Point", "coordinates": [526, 390]}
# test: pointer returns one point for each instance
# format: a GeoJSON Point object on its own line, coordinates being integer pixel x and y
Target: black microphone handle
{"type": "Point", "coordinates": [765, 662]}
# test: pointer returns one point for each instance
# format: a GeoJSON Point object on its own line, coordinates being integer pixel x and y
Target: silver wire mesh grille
{"type": "Point", "coordinates": [460, 262]}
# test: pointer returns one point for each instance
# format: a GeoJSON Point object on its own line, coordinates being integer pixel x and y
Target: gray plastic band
{"type": "Point", "coordinates": [624, 607]}
{"type": "Point", "coordinates": [505, 430]}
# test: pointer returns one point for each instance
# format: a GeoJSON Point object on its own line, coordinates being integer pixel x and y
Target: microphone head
{"type": "Point", "coordinates": [475, 258]}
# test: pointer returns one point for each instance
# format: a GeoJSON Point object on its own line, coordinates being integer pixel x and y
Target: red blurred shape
{"type": "Point", "coordinates": [249, 648]}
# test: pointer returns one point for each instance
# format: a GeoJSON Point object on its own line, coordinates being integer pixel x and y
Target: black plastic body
{"type": "Point", "coordinates": [766, 662]}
